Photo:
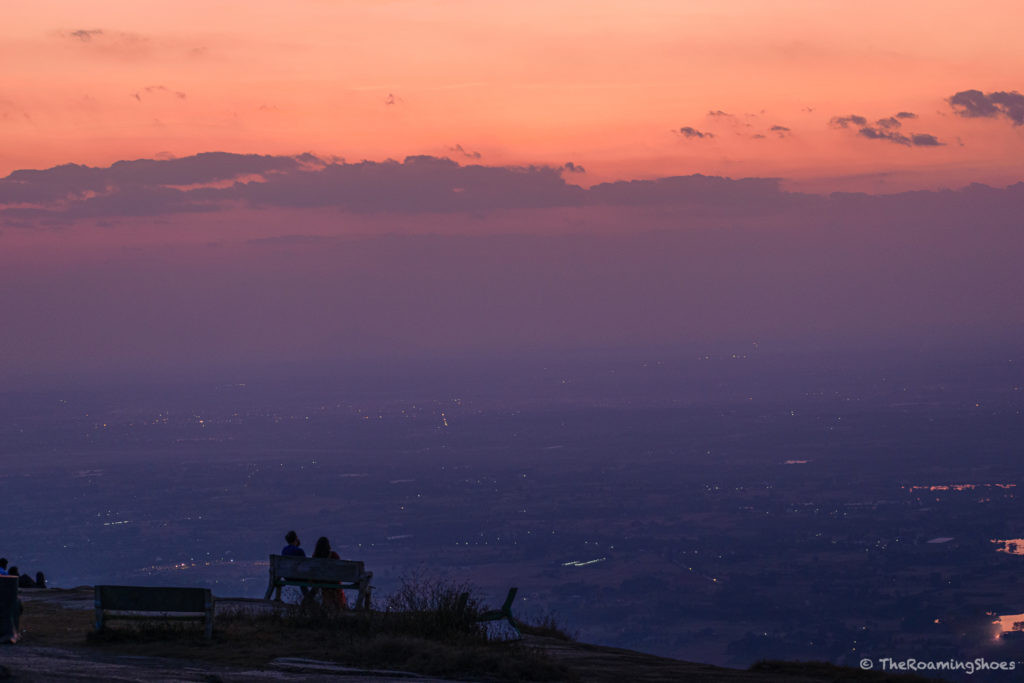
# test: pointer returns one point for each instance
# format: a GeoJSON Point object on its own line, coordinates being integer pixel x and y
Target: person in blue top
{"type": "Point", "coordinates": [3, 566]}
{"type": "Point", "coordinates": [293, 547]}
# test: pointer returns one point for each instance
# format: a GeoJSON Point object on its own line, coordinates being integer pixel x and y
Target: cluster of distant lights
{"type": "Point", "coordinates": [1010, 546]}
{"type": "Point", "coordinates": [960, 488]}
{"type": "Point", "coordinates": [957, 487]}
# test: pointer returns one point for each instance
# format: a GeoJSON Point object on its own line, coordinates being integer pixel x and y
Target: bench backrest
{"type": "Point", "coordinates": [8, 591]}
{"type": "Point", "coordinates": [153, 599]}
{"type": "Point", "coordinates": [316, 569]}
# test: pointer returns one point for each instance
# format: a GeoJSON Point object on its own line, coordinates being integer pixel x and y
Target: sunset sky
{"type": "Point", "coordinates": [193, 183]}
{"type": "Point", "coordinates": [605, 85]}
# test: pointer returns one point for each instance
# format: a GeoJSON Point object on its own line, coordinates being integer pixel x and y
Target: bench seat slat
{"type": "Point", "coordinates": [157, 616]}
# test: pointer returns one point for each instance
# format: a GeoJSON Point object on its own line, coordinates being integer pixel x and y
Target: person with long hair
{"type": "Point", "coordinates": [331, 597]}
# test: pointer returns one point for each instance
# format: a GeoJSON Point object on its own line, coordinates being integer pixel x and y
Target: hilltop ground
{"type": "Point", "coordinates": [58, 647]}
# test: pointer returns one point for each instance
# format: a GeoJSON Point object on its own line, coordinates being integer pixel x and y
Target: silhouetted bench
{"type": "Point", "coordinates": [314, 572]}
{"type": "Point", "coordinates": [145, 602]}
{"type": "Point", "coordinates": [8, 606]}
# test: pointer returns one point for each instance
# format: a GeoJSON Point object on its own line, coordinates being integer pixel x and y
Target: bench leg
{"type": "Point", "coordinates": [270, 585]}
{"type": "Point", "coordinates": [361, 596]}
{"type": "Point", "coordinates": [515, 627]}
{"type": "Point", "coordinates": [99, 611]}
{"type": "Point", "coordinates": [208, 626]}
{"type": "Point", "coordinates": [367, 602]}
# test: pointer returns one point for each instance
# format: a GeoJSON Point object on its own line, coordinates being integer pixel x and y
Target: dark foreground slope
{"type": "Point", "coordinates": [58, 646]}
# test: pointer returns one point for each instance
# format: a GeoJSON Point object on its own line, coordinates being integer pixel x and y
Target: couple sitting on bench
{"type": "Point", "coordinates": [324, 573]}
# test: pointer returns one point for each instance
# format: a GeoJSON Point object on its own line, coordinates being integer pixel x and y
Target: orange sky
{"type": "Point", "coordinates": [604, 84]}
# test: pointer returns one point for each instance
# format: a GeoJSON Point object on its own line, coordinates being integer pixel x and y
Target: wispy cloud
{"type": "Point", "coordinates": [872, 133]}
{"type": "Point", "coordinates": [887, 128]}
{"type": "Point", "coordinates": [128, 45]}
{"type": "Point", "coordinates": [117, 44]}
{"type": "Point", "coordinates": [156, 90]}
{"type": "Point", "coordinates": [691, 132]}
{"type": "Point", "coordinates": [847, 121]}
{"type": "Point", "coordinates": [86, 35]}
{"type": "Point", "coordinates": [459, 149]}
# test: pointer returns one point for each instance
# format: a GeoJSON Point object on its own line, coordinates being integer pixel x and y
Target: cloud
{"type": "Point", "coordinates": [425, 186]}
{"type": "Point", "coordinates": [718, 113]}
{"type": "Point", "coordinates": [116, 44]}
{"type": "Point", "coordinates": [925, 140]}
{"type": "Point", "coordinates": [71, 185]}
{"type": "Point", "coordinates": [209, 182]}
{"type": "Point", "coordinates": [881, 134]}
{"type": "Point", "coordinates": [86, 35]}
{"type": "Point", "coordinates": [976, 104]}
{"type": "Point", "coordinates": [847, 121]}
{"type": "Point", "coordinates": [126, 45]}
{"type": "Point", "coordinates": [886, 129]}
{"type": "Point", "coordinates": [392, 100]}
{"type": "Point", "coordinates": [691, 132]}
{"type": "Point", "coordinates": [781, 131]}
{"type": "Point", "coordinates": [913, 140]}
{"type": "Point", "coordinates": [461, 150]}
{"type": "Point", "coordinates": [158, 89]}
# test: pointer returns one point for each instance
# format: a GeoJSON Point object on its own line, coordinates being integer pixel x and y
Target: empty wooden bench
{"type": "Point", "coordinates": [314, 572]}
{"type": "Point", "coordinates": [145, 602]}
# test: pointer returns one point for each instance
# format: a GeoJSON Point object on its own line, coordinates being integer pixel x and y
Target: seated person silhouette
{"type": "Point", "coordinates": [330, 597]}
{"type": "Point", "coordinates": [294, 549]}
{"type": "Point", "coordinates": [294, 546]}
